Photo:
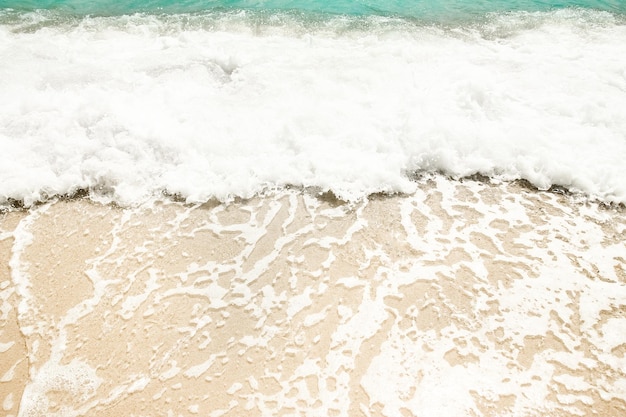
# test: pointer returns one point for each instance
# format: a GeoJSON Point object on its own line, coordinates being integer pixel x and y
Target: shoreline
{"type": "Point", "coordinates": [465, 298]}
{"type": "Point", "coordinates": [420, 179]}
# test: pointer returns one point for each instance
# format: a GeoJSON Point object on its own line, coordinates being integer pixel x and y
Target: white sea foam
{"type": "Point", "coordinates": [133, 106]}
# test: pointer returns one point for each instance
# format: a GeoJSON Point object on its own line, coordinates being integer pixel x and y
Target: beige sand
{"type": "Point", "coordinates": [465, 299]}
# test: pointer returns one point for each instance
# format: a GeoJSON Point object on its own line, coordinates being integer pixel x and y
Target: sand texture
{"type": "Point", "coordinates": [464, 299]}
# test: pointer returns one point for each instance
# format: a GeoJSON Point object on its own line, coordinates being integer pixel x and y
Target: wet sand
{"type": "Point", "coordinates": [464, 299]}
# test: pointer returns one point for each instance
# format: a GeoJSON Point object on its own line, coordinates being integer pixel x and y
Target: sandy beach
{"type": "Point", "coordinates": [466, 298]}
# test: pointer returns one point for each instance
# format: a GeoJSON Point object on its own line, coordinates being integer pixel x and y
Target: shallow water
{"type": "Point", "coordinates": [506, 300]}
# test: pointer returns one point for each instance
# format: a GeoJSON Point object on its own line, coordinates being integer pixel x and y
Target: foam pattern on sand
{"type": "Point", "coordinates": [465, 298]}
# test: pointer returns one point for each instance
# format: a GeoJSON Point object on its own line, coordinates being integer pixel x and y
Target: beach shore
{"type": "Point", "coordinates": [466, 298]}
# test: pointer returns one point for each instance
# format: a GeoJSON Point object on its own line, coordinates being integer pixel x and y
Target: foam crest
{"type": "Point", "coordinates": [130, 110]}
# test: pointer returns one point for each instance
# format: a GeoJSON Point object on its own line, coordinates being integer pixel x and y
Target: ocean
{"type": "Point", "coordinates": [312, 208]}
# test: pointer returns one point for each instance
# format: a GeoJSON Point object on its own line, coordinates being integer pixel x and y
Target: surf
{"type": "Point", "coordinates": [221, 100]}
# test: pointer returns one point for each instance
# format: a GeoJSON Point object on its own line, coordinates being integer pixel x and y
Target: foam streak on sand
{"type": "Point", "coordinates": [464, 298]}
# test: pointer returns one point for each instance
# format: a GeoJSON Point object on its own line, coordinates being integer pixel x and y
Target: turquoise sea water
{"type": "Point", "coordinates": [423, 9]}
